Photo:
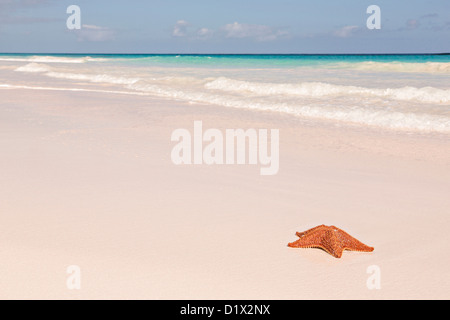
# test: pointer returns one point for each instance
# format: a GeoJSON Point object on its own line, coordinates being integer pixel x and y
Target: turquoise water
{"type": "Point", "coordinates": [399, 92]}
{"type": "Point", "coordinates": [264, 60]}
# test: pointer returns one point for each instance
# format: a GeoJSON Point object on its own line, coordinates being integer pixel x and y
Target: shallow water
{"type": "Point", "coordinates": [403, 92]}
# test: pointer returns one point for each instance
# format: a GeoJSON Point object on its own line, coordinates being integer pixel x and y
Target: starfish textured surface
{"type": "Point", "coordinates": [331, 239]}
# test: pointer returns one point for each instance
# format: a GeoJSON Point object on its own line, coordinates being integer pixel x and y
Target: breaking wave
{"type": "Point", "coordinates": [96, 78]}
{"type": "Point", "coordinates": [424, 67]}
{"type": "Point", "coordinates": [408, 108]}
{"type": "Point", "coordinates": [50, 59]}
{"type": "Point", "coordinates": [319, 89]}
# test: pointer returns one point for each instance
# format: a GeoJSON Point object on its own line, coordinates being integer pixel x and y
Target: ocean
{"type": "Point", "coordinates": [392, 92]}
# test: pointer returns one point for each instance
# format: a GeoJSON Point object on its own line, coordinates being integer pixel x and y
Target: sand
{"type": "Point", "coordinates": [87, 180]}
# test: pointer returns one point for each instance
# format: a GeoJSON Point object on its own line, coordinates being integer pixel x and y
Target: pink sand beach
{"type": "Point", "coordinates": [87, 180]}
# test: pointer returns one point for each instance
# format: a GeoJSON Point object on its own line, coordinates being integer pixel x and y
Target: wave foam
{"type": "Point", "coordinates": [33, 67]}
{"type": "Point", "coordinates": [96, 78]}
{"type": "Point", "coordinates": [99, 78]}
{"type": "Point", "coordinates": [359, 115]}
{"type": "Point", "coordinates": [319, 89]}
{"type": "Point", "coordinates": [353, 105]}
{"type": "Point", "coordinates": [425, 67]}
{"type": "Point", "coordinates": [51, 59]}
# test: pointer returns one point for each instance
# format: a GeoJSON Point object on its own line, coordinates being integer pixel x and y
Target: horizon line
{"type": "Point", "coordinates": [229, 54]}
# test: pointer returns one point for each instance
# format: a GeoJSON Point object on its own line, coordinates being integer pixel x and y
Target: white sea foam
{"type": "Point", "coordinates": [33, 67]}
{"type": "Point", "coordinates": [50, 59]}
{"type": "Point", "coordinates": [424, 67]}
{"type": "Point", "coordinates": [406, 108]}
{"type": "Point", "coordinates": [319, 89]}
{"type": "Point", "coordinates": [359, 115]}
{"type": "Point", "coordinates": [96, 78]}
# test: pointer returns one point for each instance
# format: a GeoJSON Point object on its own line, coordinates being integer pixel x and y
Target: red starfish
{"type": "Point", "coordinates": [331, 239]}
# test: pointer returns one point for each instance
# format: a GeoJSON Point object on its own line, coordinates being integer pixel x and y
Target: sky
{"type": "Point", "coordinates": [224, 26]}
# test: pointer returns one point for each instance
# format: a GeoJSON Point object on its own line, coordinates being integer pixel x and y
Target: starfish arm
{"type": "Point", "coordinates": [301, 234]}
{"type": "Point", "coordinates": [305, 242]}
{"type": "Point", "coordinates": [361, 247]}
{"type": "Point", "coordinates": [350, 243]}
{"type": "Point", "coordinates": [309, 239]}
{"type": "Point", "coordinates": [335, 252]}
{"type": "Point", "coordinates": [296, 244]}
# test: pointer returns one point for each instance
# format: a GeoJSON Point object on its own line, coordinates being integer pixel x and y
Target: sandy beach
{"type": "Point", "coordinates": [87, 180]}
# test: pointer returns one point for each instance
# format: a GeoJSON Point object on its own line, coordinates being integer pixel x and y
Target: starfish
{"type": "Point", "coordinates": [331, 239]}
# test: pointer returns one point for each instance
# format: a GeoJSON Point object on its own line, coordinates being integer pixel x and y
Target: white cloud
{"type": "Point", "coordinates": [95, 33]}
{"type": "Point", "coordinates": [180, 29]}
{"type": "Point", "coordinates": [258, 32]}
{"type": "Point", "coordinates": [184, 29]}
{"type": "Point", "coordinates": [346, 31]}
{"type": "Point", "coordinates": [204, 33]}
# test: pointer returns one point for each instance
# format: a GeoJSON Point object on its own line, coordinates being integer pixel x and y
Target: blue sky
{"type": "Point", "coordinates": [231, 26]}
